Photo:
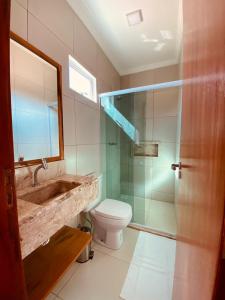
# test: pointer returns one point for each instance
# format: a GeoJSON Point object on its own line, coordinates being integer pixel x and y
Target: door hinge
{"type": "Point", "coordinates": [9, 186]}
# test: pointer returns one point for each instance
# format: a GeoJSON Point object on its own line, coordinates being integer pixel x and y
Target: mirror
{"type": "Point", "coordinates": [36, 104]}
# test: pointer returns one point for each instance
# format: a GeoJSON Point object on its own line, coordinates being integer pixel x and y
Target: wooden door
{"type": "Point", "coordinates": [11, 273]}
{"type": "Point", "coordinates": [200, 205]}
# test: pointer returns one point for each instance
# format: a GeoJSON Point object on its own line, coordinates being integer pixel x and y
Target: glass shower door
{"type": "Point", "coordinates": [142, 141]}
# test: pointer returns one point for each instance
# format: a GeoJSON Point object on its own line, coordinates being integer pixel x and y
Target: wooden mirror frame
{"type": "Point", "coordinates": [58, 67]}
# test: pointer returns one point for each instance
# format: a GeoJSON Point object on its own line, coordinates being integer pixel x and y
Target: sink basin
{"type": "Point", "coordinates": [47, 193]}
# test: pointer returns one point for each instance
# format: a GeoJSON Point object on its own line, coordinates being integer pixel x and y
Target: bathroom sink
{"type": "Point", "coordinates": [49, 192]}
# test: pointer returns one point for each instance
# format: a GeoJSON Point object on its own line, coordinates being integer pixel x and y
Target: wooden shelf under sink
{"type": "Point", "coordinates": [46, 264]}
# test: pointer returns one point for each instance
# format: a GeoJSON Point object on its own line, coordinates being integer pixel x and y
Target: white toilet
{"type": "Point", "coordinates": [110, 217]}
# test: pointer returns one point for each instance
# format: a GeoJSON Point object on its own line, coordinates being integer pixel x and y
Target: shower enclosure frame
{"type": "Point", "coordinates": [153, 87]}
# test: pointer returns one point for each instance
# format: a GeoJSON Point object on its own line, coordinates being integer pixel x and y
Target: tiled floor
{"type": "Point", "coordinates": [99, 279]}
{"type": "Point", "coordinates": [141, 270]}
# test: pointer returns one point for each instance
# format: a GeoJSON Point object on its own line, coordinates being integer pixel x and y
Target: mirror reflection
{"type": "Point", "coordinates": [35, 105]}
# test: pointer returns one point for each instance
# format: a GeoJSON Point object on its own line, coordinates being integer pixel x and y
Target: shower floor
{"type": "Point", "coordinates": [161, 216]}
{"type": "Point", "coordinates": [155, 215]}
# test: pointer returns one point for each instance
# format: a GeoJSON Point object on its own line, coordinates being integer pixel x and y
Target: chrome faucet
{"type": "Point", "coordinates": [44, 166]}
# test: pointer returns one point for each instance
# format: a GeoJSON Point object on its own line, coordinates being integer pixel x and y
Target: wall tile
{"type": "Point", "coordinates": [139, 216]}
{"type": "Point", "coordinates": [149, 112]}
{"type": "Point", "coordinates": [167, 155]}
{"type": "Point", "coordinates": [88, 159]}
{"type": "Point", "coordinates": [103, 158]}
{"type": "Point", "coordinates": [112, 131]}
{"type": "Point", "coordinates": [166, 102]}
{"type": "Point", "coordinates": [23, 3]}
{"type": "Point", "coordinates": [161, 196]}
{"type": "Point", "coordinates": [85, 47]}
{"type": "Point", "coordinates": [139, 181]}
{"type": "Point", "coordinates": [139, 206]}
{"type": "Point", "coordinates": [87, 124]}
{"type": "Point", "coordinates": [58, 17]}
{"type": "Point", "coordinates": [104, 182]}
{"type": "Point", "coordinates": [149, 77]}
{"type": "Point", "coordinates": [115, 81]}
{"type": "Point", "coordinates": [163, 180]}
{"type": "Point", "coordinates": [140, 103]}
{"type": "Point", "coordinates": [86, 101]}
{"type": "Point", "coordinates": [149, 129]}
{"type": "Point", "coordinates": [104, 67]}
{"type": "Point", "coordinates": [149, 177]}
{"type": "Point", "coordinates": [102, 127]}
{"type": "Point", "coordinates": [113, 157]}
{"type": "Point", "coordinates": [115, 183]}
{"type": "Point", "coordinates": [165, 74]}
{"type": "Point", "coordinates": [18, 19]}
{"type": "Point", "coordinates": [70, 153]}
{"type": "Point", "coordinates": [69, 125]}
{"type": "Point", "coordinates": [103, 87]}
{"type": "Point", "coordinates": [137, 79]}
{"type": "Point", "coordinates": [125, 82]}
{"type": "Point", "coordinates": [140, 125]}
{"type": "Point", "coordinates": [165, 129]}
{"type": "Point", "coordinates": [46, 41]}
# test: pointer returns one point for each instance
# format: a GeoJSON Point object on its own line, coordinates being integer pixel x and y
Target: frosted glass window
{"type": "Point", "coordinates": [81, 80]}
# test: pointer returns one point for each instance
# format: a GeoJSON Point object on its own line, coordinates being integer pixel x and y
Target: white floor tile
{"type": "Point", "coordinates": [66, 277]}
{"type": "Point", "coordinates": [99, 279]}
{"type": "Point", "coordinates": [126, 251]}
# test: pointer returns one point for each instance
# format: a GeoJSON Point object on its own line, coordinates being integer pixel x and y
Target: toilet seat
{"type": "Point", "coordinates": [114, 209]}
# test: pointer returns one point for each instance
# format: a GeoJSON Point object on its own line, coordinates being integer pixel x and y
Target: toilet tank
{"type": "Point", "coordinates": [95, 202]}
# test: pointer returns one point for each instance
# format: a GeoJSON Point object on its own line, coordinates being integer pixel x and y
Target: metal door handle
{"type": "Point", "coordinates": [176, 166]}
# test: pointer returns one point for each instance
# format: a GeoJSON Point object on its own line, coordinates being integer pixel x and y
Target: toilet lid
{"type": "Point", "coordinates": [114, 209]}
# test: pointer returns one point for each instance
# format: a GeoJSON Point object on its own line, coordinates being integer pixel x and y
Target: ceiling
{"type": "Point", "coordinates": [154, 43]}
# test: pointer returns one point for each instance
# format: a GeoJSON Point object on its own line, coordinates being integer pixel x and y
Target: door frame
{"type": "Point", "coordinates": [12, 283]}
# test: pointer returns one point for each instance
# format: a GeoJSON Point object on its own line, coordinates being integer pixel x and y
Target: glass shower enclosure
{"type": "Point", "coordinates": [140, 132]}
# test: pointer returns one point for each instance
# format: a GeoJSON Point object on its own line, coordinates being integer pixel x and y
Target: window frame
{"type": "Point", "coordinates": [75, 65]}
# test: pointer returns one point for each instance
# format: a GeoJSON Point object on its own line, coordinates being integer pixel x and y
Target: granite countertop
{"type": "Point", "coordinates": [38, 222]}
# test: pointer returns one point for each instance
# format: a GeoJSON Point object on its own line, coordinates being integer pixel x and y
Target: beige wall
{"type": "Point", "coordinates": [53, 27]}
{"type": "Point", "coordinates": [164, 74]}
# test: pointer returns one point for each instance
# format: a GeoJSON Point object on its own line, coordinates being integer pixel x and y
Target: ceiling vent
{"type": "Point", "coordinates": [134, 17]}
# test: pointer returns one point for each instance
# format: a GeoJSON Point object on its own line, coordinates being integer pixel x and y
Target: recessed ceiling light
{"type": "Point", "coordinates": [135, 17]}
